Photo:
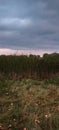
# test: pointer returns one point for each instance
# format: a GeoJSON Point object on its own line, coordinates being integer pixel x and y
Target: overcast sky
{"type": "Point", "coordinates": [29, 24]}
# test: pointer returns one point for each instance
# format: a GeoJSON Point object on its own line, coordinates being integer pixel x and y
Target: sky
{"type": "Point", "coordinates": [29, 26]}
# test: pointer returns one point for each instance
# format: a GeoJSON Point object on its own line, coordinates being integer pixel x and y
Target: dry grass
{"type": "Point", "coordinates": [29, 105]}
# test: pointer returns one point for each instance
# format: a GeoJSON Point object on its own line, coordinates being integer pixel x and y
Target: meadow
{"type": "Point", "coordinates": [29, 104]}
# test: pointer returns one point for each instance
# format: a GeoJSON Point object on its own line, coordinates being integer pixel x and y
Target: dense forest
{"type": "Point", "coordinates": [32, 66]}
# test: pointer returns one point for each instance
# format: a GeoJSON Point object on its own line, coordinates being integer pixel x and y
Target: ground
{"type": "Point", "coordinates": [29, 104]}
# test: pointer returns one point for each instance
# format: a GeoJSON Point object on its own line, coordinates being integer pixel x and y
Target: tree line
{"type": "Point", "coordinates": [32, 66]}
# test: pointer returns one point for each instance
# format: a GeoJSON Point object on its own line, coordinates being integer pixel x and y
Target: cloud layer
{"type": "Point", "coordinates": [6, 51]}
{"type": "Point", "coordinates": [29, 24]}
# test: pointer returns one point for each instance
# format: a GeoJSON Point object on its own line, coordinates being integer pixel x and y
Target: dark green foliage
{"type": "Point", "coordinates": [18, 67]}
{"type": "Point", "coordinates": [52, 80]}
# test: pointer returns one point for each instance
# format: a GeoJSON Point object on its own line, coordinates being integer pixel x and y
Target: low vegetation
{"type": "Point", "coordinates": [29, 104]}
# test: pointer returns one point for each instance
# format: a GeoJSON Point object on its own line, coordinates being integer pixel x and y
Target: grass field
{"type": "Point", "coordinates": [29, 104]}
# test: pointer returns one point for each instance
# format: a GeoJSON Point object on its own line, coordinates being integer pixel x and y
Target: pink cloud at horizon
{"type": "Point", "coordinates": [6, 51]}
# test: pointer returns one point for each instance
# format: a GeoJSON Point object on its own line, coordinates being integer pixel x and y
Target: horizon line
{"type": "Point", "coordinates": [9, 51]}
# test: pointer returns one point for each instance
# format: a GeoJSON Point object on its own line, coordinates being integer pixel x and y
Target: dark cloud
{"type": "Point", "coordinates": [29, 24]}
